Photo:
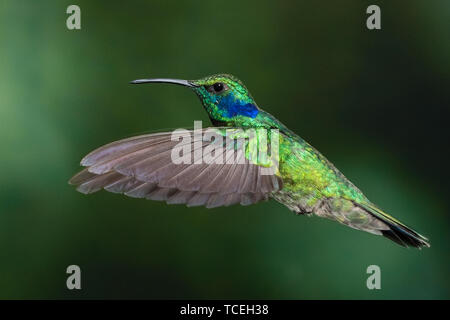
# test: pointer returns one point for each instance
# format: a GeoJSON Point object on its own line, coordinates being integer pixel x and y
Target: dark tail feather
{"type": "Point", "coordinates": [397, 232]}
{"type": "Point", "coordinates": [406, 238]}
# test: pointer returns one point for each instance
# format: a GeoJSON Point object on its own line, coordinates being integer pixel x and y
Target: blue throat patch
{"type": "Point", "coordinates": [233, 107]}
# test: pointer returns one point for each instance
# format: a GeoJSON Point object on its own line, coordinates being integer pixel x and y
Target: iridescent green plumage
{"type": "Point", "coordinates": [305, 181]}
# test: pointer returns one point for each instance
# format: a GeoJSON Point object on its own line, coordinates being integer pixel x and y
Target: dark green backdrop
{"type": "Point", "coordinates": [373, 102]}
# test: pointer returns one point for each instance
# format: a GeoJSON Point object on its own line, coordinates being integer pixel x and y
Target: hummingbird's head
{"type": "Point", "coordinates": [223, 96]}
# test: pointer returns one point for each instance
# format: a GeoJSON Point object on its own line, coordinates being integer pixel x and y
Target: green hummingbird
{"type": "Point", "coordinates": [303, 179]}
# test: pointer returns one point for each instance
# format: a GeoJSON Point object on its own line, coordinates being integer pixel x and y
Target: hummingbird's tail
{"type": "Point", "coordinates": [397, 232]}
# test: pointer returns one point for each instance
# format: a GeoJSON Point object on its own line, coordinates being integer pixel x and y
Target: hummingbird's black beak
{"type": "Point", "coordinates": [185, 83]}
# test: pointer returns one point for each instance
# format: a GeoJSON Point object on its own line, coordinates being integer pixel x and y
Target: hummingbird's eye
{"type": "Point", "coordinates": [217, 87]}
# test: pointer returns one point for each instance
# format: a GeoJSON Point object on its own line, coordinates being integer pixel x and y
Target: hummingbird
{"type": "Point", "coordinates": [304, 180]}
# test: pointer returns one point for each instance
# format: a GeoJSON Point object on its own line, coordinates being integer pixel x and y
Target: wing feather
{"type": "Point", "coordinates": [141, 167]}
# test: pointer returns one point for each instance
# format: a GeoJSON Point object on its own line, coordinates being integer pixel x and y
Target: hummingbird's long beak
{"type": "Point", "coordinates": [185, 83]}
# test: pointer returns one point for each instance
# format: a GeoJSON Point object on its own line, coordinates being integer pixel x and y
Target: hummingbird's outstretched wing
{"type": "Point", "coordinates": [143, 167]}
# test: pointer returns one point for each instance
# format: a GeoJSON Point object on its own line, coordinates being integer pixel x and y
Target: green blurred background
{"type": "Point", "coordinates": [373, 102]}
